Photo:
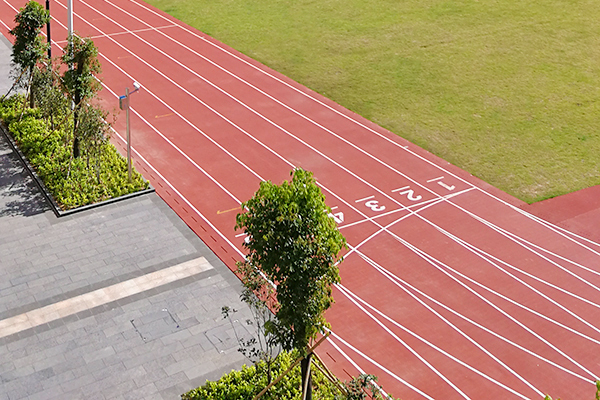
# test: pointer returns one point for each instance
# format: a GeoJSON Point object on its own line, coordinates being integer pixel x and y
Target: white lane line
{"type": "Point", "coordinates": [86, 301]}
{"type": "Point", "coordinates": [487, 256]}
{"type": "Point", "coordinates": [358, 302]}
{"type": "Point", "coordinates": [428, 259]}
{"type": "Point", "coordinates": [435, 179]}
{"type": "Point", "coordinates": [420, 253]}
{"type": "Point", "coordinates": [546, 224]}
{"type": "Point", "coordinates": [409, 214]}
{"type": "Point", "coordinates": [358, 368]}
{"type": "Point", "coordinates": [363, 199]}
{"type": "Point", "coordinates": [438, 265]}
{"type": "Point", "coordinates": [518, 239]}
{"type": "Point", "coordinates": [126, 32]}
{"type": "Point", "coordinates": [375, 363]}
{"type": "Point", "coordinates": [552, 226]}
{"type": "Point", "coordinates": [397, 210]}
{"type": "Point", "coordinates": [399, 189]}
{"type": "Point", "coordinates": [407, 347]}
{"type": "Point", "coordinates": [498, 294]}
{"type": "Point", "coordinates": [482, 254]}
{"type": "Point", "coordinates": [403, 285]}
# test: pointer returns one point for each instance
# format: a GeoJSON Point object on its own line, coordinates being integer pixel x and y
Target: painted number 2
{"type": "Point", "coordinates": [410, 194]}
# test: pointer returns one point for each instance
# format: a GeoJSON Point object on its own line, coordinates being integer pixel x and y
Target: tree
{"type": "Point", "coordinates": [79, 80]}
{"type": "Point", "coordinates": [48, 94]}
{"type": "Point", "coordinates": [258, 295]}
{"type": "Point", "coordinates": [294, 243]}
{"type": "Point", "coordinates": [29, 48]}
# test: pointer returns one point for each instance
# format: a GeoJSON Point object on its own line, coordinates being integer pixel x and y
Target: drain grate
{"type": "Point", "coordinates": [155, 325]}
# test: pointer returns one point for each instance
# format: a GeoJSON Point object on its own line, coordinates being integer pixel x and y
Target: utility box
{"type": "Point", "coordinates": [123, 102]}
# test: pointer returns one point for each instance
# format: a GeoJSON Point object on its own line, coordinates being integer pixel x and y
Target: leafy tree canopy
{"type": "Point", "coordinates": [294, 242]}
{"type": "Point", "coordinates": [80, 80]}
{"type": "Point", "coordinates": [29, 47]}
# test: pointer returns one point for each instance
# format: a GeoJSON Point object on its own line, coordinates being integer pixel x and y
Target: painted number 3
{"type": "Point", "coordinates": [374, 205]}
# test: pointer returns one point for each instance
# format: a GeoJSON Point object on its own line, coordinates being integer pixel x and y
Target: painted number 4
{"type": "Point", "coordinates": [338, 217]}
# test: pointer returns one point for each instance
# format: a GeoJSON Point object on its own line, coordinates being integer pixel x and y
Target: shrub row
{"type": "Point", "coordinates": [249, 381]}
{"type": "Point", "coordinates": [73, 182]}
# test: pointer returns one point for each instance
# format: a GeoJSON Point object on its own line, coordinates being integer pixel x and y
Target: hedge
{"type": "Point", "coordinates": [72, 182]}
{"type": "Point", "coordinates": [248, 382]}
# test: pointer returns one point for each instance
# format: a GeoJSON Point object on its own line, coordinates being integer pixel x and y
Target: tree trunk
{"type": "Point", "coordinates": [76, 147]}
{"type": "Point", "coordinates": [306, 377]}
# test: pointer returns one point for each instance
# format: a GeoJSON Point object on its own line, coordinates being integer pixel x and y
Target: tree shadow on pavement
{"type": "Point", "coordinates": [19, 196]}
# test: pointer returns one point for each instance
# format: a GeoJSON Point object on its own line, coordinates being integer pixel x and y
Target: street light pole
{"type": "Point", "coordinates": [70, 11]}
{"type": "Point", "coordinates": [48, 31]}
{"type": "Point", "coordinates": [124, 105]}
{"type": "Point", "coordinates": [128, 137]}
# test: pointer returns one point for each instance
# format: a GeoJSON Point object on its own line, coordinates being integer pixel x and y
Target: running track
{"type": "Point", "coordinates": [448, 289]}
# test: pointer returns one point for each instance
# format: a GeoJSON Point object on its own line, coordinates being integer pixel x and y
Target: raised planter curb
{"type": "Point", "coordinates": [48, 196]}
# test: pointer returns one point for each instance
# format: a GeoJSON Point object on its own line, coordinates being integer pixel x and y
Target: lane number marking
{"type": "Point", "coordinates": [374, 205]}
{"type": "Point", "coordinates": [442, 184]}
{"type": "Point", "coordinates": [338, 217]}
{"type": "Point", "coordinates": [410, 194]}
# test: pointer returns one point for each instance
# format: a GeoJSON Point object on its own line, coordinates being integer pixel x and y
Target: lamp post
{"type": "Point", "coordinates": [124, 105]}
{"type": "Point", "coordinates": [48, 31]}
{"type": "Point", "coordinates": [70, 11]}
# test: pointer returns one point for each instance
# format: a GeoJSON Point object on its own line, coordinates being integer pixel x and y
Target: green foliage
{"type": "Point", "coordinates": [29, 46]}
{"type": "Point", "coordinates": [247, 383]}
{"type": "Point", "coordinates": [295, 244]}
{"type": "Point", "coordinates": [80, 81]}
{"type": "Point", "coordinates": [362, 386]}
{"type": "Point", "coordinates": [48, 95]}
{"type": "Point", "coordinates": [48, 153]}
{"type": "Point", "coordinates": [547, 397]}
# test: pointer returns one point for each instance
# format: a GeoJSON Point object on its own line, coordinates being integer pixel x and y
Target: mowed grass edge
{"type": "Point", "coordinates": [507, 90]}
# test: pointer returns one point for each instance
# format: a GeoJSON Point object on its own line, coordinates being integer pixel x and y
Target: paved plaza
{"type": "Point", "coordinates": [118, 302]}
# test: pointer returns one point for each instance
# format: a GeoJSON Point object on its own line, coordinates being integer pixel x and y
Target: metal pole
{"type": "Point", "coordinates": [70, 11]}
{"type": "Point", "coordinates": [48, 31]}
{"type": "Point", "coordinates": [128, 136]}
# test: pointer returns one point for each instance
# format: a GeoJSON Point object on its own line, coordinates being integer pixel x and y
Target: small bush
{"type": "Point", "coordinates": [247, 383]}
{"type": "Point", "coordinates": [99, 174]}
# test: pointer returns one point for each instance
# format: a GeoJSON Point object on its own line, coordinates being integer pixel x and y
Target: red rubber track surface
{"type": "Point", "coordinates": [449, 290]}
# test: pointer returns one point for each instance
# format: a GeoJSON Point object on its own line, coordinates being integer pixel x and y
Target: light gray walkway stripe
{"type": "Point", "coordinates": [102, 296]}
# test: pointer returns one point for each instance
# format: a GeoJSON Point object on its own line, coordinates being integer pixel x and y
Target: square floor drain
{"type": "Point", "coordinates": [225, 337]}
{"type": "Point", "coordinates": [155, 325]}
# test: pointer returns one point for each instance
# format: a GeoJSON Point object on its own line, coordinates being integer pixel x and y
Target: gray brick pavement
{"type": "Point", "coordinates": [154, 345]}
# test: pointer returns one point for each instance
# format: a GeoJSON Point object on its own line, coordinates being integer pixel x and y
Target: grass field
{"type": "Point", "coordinates": [506, 89]}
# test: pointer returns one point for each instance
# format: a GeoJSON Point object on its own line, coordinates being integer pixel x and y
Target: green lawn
{"type": "Point", "coordinates": [505, 89]}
